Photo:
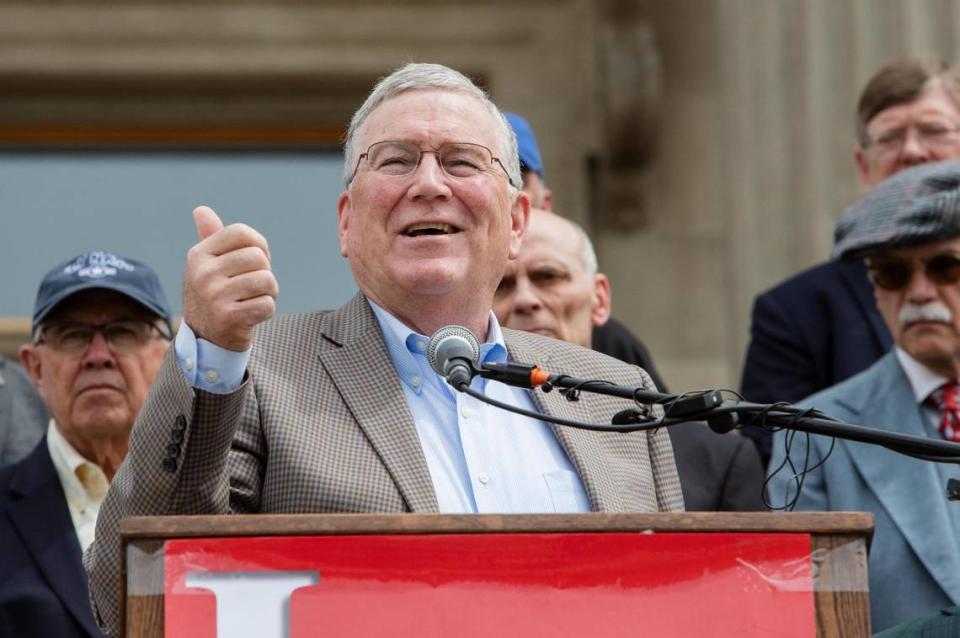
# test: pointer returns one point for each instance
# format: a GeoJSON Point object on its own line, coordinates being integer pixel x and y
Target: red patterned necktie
{"type": "Point", "coordinates": [946, 399]}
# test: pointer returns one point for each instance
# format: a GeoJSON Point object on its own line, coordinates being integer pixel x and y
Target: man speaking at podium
{"type": "Point", "coordinates": [338, 411]}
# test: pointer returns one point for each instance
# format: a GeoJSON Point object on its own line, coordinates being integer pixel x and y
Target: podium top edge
{"type": "Point", "coordinates": [817, 523]}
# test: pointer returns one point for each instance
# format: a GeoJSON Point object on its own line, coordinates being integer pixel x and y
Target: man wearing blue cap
{"type": "Point", "coordinates": [908, 231]}
{"type": "Point", "coordinates": [101, 327]}
{"type": "Point", "coordinates": [531, 165]}
{"type": "Point", "coordinates": [612, 338]}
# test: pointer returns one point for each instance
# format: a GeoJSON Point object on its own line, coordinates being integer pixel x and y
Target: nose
{"type": "Point", "coordinates": [913, 150]}
{"type": "Point", "coordinates": [921, 290]}
{"type": "Point", "coordinates": [98, 353]}
{"type": "Point", "coordinates": [429, 180]}
{"type": "Point", "coordinates": [525, 298]}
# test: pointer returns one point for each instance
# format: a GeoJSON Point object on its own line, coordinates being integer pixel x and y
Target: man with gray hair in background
{"type": "Point", "coordinates": [907, 230]}
{"type": "Point", "coordinates": [340, 411]}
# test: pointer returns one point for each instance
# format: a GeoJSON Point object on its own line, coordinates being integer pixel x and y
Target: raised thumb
{"type": "Point", "coordinates": [207, 221]}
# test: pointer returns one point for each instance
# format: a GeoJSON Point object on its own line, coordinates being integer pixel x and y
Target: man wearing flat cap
{"type": "Point", "coordinates": [100, 330]}
{"type": "Point", "coordinates": [907, 230]}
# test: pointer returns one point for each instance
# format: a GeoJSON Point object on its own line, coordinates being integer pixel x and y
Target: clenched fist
{"type": "Point", "coordinates": [228, 286]}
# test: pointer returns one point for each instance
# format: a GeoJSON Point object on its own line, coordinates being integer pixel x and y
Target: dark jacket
{"type": "Point", "coordinates": [811, 332]}
{"type": "Point", "coordinates": [717, 472]}
{"type": "Point", "coordinates": [43, 588]}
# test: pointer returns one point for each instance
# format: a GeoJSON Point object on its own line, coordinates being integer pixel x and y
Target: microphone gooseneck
{"type": "Point", "coordinates": [454, 354]}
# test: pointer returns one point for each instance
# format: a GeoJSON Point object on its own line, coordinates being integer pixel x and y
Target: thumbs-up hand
{"type": "Point", "coordinates": [228, 286]}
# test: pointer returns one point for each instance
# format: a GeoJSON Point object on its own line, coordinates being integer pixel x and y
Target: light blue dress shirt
{"type": "Point", "coordinates": [481, 459]}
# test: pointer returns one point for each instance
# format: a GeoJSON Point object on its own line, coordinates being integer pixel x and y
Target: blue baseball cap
{"type": "Point", "coordinates": [526, 144]}
{"type": "Point", "coordinates": [107, 271]}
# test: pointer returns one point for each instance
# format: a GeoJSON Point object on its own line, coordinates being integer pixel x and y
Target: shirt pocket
{"type": "Point", "coordinates": [566, 491]}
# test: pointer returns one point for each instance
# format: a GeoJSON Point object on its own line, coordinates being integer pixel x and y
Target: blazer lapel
{"type": "Point", "coordinates": [40, 514]}
{"type": "Point", "coordinates": [920, 515]}
{"type": "Point", "coordinates": [354, 345]}
{"type": "Point", "coordinates": [580, 445]}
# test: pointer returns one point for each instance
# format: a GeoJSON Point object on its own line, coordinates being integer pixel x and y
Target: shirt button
{"type": "Point", "coordinates": [211, 376]}
{"type": "Point", "coordinates": [483, 478]}
{"type": "Point", "coordinates": [415, 381]}
{"type": "Point", "coordinates": [464, 412]}
{"type": "Point", "coordinates": [188, 363]}
{"type": "Point", "coordinates": [421, 346]}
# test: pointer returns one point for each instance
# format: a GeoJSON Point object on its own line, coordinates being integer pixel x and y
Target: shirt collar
{"type": "Point", "coordinates": [923, 380]}
{"type": "Point", "coordinates": [405, 345]}
{"type": "Point", "coordinates": [71, 466]}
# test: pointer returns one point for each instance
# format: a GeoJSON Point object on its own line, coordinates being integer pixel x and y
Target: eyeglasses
{"type": "Point", "coordinates": [895, 274]}
{"type": "Point", "coordinates": [122, 337]}
{"type": "Point", "coordinates": [931, 135]}
{"type": "Point", "coordinates": [398, 158]}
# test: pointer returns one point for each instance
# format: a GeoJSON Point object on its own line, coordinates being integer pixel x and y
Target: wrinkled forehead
{"type": "Point", "coordinates": [934, 101]}
{"type": "Point", "coordinates": [551, 235]}
{"type": "Point", "coordinates": [432, 117]}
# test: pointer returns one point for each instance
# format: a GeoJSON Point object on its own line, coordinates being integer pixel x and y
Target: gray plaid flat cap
{"type": "Point", "coordinates": [916, 206]}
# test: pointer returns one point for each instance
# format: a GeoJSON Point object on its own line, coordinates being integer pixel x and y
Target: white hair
{"type": "Point", "coordinates": [418, 77]}
{"type": "Point", "coordinates": [587, 253]}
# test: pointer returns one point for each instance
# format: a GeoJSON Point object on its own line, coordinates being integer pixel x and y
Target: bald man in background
{"type": "Point", "coordinates": [554, 289]}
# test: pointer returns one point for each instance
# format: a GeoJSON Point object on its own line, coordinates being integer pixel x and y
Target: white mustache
{"type": "Point", "coordinates": [933, 311]}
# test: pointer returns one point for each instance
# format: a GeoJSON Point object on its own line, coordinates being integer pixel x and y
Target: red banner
{"type": "Point", "coordinates": [491, 585]}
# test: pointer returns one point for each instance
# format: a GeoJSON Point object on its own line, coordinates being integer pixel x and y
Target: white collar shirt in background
{"type": "Point", "coordinates": [84, 484]}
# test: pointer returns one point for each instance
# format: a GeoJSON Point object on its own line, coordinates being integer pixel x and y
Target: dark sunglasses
{"type": "Point", "coordinates": [895, 274]}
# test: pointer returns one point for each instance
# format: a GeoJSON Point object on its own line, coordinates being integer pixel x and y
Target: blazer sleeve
{"type": "Point", "coordinates": [181, 457]}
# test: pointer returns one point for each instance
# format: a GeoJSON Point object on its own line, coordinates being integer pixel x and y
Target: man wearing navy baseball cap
{"type": "Point", "coordinates": [908, 231]}
{"type": "Point", "coordinates": [101, 326]}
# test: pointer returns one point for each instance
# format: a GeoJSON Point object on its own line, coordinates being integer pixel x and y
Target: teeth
{"type": "Point", "coordinates": [415, 229]}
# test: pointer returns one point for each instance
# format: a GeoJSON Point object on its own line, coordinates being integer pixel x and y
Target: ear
{"type": "Point", "coordinates": [30, 360]}
{"type": "Point", "coordinates": [863, 167]}
{"type": "Point", "coordinates": [547, 199]}
{"type": "Point", "coordinates": [343, 220]}
{"type": "Point", "coordinates": [600, 313]}
{"type": "Point", "coordinates": [519, 221]}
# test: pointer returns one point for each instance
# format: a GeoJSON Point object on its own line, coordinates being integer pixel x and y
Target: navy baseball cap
{"type": "Point", "coordinates": [919, 205]}
{"type": "Point", "coordinates": [107, 271]}
{"type": "Point", "coordinates": [526, 144]}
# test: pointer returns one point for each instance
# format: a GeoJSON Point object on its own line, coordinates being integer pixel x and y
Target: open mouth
{"type": "Point", "coordinates": [430, 229]}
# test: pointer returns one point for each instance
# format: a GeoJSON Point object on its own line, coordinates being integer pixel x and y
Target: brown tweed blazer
{"type": "Point", "coordinates": [321, 424]}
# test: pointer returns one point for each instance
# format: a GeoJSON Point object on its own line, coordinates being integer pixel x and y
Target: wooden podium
{"type": "Point", "coordinates": [696, 574]}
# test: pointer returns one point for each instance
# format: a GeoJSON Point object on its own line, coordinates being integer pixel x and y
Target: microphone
{"type": "Point", "coordinates": [454, 353]}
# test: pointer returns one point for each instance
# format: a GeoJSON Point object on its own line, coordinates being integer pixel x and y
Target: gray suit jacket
{"type": "Point", "coordinates": [321, 424]}
{"type": "Point", "coordinates": [915, 556]}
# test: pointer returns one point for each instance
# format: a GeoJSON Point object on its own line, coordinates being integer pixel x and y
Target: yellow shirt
{"type": "Point", "coordinates": [84, 484]}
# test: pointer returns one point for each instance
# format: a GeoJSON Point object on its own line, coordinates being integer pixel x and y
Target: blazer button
{"type": "Point", "coordinates": [177, 436]}
{"type": "Point", "coordinates": [181, 422]}
{"type": "Point", "coordinates": [173, 450]}
{"type": "Point", "coordinates": [170, 465]}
